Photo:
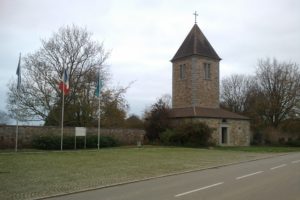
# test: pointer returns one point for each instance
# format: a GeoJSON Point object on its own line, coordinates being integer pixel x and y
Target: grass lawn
{"type": "Point", "coordinates": [37, 174]}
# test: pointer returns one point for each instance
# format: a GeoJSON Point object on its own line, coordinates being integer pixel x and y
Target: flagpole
{"type": "Point", "coordinates": [18, 99]}
{"type": "Point", "coordinates": [99, 123]}
{"type": "Point", "coordinates": [17, 134]}
{"type": "Point", "coordinates": [62, 116]}
{"type": "Point", "coordinates": [99, 110]}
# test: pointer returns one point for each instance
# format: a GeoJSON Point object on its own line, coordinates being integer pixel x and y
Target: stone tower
{"type": "Point", "coordinates": [195, 73]}
{"type": "Point", "coordinates": [195, 92]}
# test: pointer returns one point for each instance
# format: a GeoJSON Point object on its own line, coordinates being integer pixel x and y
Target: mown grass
{"type": "Point", "coordinates": [37, 174]}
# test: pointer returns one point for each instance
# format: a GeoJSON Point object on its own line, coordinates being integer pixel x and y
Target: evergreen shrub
{"type": "Point", "coordinates": [195, 134]}
{"type": "Point", "coordinates": [53, 142]}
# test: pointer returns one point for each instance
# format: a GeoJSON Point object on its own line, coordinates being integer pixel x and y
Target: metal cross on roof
{"type": "Point", "coordinates": [196, 14]}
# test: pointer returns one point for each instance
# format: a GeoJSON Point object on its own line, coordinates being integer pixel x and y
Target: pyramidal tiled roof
{"type": "Point", "coordinates": [195, 43]}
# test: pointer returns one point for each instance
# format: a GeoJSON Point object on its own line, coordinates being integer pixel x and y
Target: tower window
{"type": "Point", "coordinates": [207, 74]}
{"type": "Point", "coordinates": [182, 71]}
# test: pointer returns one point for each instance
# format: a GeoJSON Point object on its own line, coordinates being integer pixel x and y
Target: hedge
{"type": "Point", "coordinates": [188, 134]}
{"type": "Point", "coordinates": [294, 143]}
{"type": "Point", "coordinates": [53, 142]}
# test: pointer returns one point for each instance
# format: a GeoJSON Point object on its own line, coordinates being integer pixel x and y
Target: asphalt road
{"type": "Point", "coordinates": [276, 178]}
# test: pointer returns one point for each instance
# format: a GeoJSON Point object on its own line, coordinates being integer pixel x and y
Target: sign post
{"type": "Point", "coordinates": [80, 132]}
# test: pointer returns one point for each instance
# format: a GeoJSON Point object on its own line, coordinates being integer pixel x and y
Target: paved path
{"type": "Point", "coordinates": [275, 178]}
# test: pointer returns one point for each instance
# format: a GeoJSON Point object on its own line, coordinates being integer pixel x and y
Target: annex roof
{"type": "Point", "coordinates": [200, 112]}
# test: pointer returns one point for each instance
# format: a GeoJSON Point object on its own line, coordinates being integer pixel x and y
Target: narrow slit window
{"type": "Point", "coordinates": [182, 72]}
{"type": "Point", "coordinates": [207, 74]}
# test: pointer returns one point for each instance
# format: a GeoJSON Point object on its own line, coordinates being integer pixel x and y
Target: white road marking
{"type": "Point", "coordinates": [247, 175]}
{"type": "Point", "coordinates": [279, 166]}
{"type": "Point", "coordinates": [203, 188]}
{"type": "Point", "coordinates": [295, 161]}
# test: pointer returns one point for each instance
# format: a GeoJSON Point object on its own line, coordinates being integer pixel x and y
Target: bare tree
{"type": "Point", "coordinates": [114, 108]}
{"type": "Point", "coordinates": [70, 48]}
{"type": "Point", "coordinates": [234, 92]}
{"type": "Point", "coordinates": [4, 118]}
{"type": "Point", "coordinates": [269, 97]}
{"type": "Point", "coordinates": [167, 99]}
{"type": "Point", "coordinates": [297, 110]}
{"type": "Point", "coordinates": [279, 86]}
{"type": "Point", "coordinates": [134, 122]}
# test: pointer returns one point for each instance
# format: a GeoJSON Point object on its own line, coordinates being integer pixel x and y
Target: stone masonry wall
{"type": "Point", "coordinates": [182, 88]}
{"type": "Point", "coordinates": [27, 133]}
{"type": "Point", "coordinates": [194, 89]}
{"type": "Point", "coordinates": [238, 130]}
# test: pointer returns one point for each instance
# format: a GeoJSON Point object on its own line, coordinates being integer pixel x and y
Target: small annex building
{"type": "Point", "coordinates": [195, 92]}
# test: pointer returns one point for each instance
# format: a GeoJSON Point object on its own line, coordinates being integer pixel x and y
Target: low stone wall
{"type": "Point", "coordinates": [27, 133]}
{"type": "Point", "coordinates": [275, 136]}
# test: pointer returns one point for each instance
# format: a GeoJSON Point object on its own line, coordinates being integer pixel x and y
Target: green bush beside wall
{"type": "Point", "coordinates": [188, 134]}
{"type": "Point", "coordinates": [53, 142]}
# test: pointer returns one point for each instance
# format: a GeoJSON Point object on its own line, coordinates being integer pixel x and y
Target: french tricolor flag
{"type": "Point", "coordinates": [64, 84]}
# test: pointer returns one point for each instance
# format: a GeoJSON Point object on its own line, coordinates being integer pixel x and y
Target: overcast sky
{"type": "Point", "coordinates": [143, 36]}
